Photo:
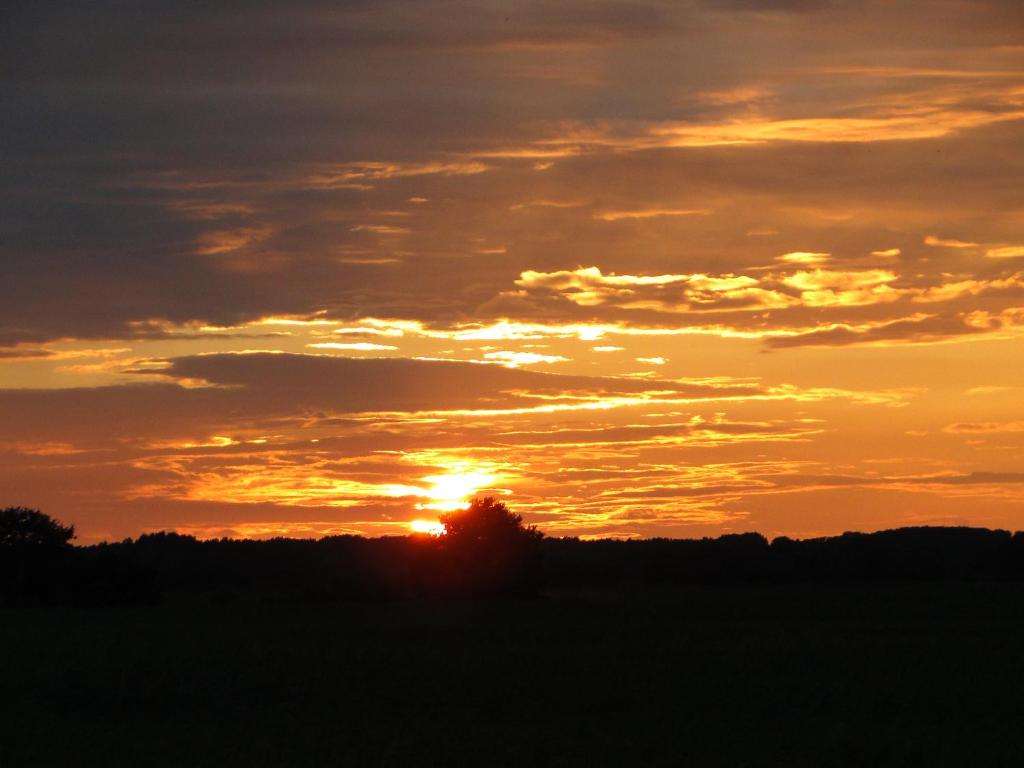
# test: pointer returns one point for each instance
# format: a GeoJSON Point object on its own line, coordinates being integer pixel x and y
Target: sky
{"type": "Point", "coordinates": [637, 268]}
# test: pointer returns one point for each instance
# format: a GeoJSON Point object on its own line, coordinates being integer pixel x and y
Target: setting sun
{"type": "Point", "coordinates": [433, 528]}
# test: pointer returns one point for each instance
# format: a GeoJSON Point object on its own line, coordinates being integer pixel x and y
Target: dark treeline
{"type": "Point", "coordinates": [903, 554]}
{"type": "Point", "coordinates": [487, 552]}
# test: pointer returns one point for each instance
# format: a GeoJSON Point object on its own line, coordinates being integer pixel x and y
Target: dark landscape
{"type": "Point", "coordinates": [902, 647]}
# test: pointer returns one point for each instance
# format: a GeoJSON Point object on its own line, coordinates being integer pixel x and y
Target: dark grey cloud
{"type": "Point", "coordinates": [771, 6]}
{"type": "Point", "coordinates": [772, 483]}
{"type": "Point", "coordinates": [25, 354]}
{"type": "Point", "coordinates": [257, 389]}
{"type": "Point", "coordinates": [980, 478]}
{"type": "Point", "coordinates": [912, 331]}
{"type": "Point", "coordinates": [352, 384]}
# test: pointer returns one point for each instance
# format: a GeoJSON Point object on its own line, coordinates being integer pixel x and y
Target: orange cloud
{"type": "Point", "coordinates": [804, 257]}
{"type": "Point", "coordinates": [217, 242]}
{"type": "Point", "coordinates": [1006, 252]}
{"type": "Point", "coordinates": [831, 288]}
{"type": "Point", "coordinates": [985, 427]}
{"type": "Point", "coordinates": [651, 213]}
{"type": "Point", "coordinates": [940, 242]}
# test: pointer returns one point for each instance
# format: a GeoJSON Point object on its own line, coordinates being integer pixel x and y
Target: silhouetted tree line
{"type": "Point", "coordinates": [487, 552]}
{"type": "Point", "coordinates": [904, 554]}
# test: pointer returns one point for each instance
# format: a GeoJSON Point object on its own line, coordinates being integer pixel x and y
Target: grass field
{"type": "Point", "coordinates": [929, 675]}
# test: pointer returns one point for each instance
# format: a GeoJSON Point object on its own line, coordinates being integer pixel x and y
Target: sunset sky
{"type": "Point", "coordinates": [641, 269]}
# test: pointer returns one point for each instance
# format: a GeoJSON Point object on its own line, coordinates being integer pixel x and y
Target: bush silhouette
{"type": "Point", "coordinates": [487, 550]}
{"type": "Point", "coordinates": [487, 522]}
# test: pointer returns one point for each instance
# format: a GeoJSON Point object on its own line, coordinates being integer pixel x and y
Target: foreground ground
{"type": "Point", "coordinates": [876, 675]}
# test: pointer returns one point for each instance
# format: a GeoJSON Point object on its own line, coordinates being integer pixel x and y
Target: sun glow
{"type": "Point", "coordinates": [449, 492]}
{"type": "Point", "coordinates": [452, 491]}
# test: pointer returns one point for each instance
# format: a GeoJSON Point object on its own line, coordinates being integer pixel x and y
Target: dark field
{"type": "Point", "coordinates": [787, 675]}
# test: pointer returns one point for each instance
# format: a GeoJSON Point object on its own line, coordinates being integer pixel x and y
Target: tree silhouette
{"type": "Point", "coordinates": [488, 550]}
{"type": "Point", "coordinates": [20, 526]}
